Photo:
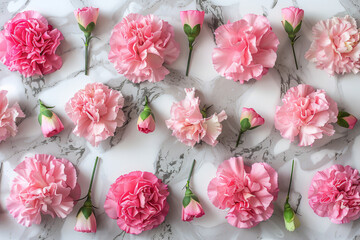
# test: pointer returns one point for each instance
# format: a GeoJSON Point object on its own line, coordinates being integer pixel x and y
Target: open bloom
{"type": "Point", "coordinates": [292, 15]}
{"type": "Point", "coordinates": [49, 121]}
{"type": "Point", "coordinates": [141, 45]}
{"type": "Point", "coordinates": [96, 112]}
{"type": "Point", "coordinates": [84, 224]}
{"type": "Point", "coordinates": [307, 113]}
{"type": "Point", "coordinates": [245, 49]}
{"type": "Point", "coordinates": [44, 185]}
{"type": "Point", "coordinates": [146, 120]}
{"type": "Point", "coordinates": [335, 193]}
{"type": "Point", "coordinates": [335, 47]}
{"type": "Point", "coordinates": [28, 44]}
{"type": "Point", "coordinates": [8, 116]}
{"type": "Point", "coordinates": [346, 120]}
{"type": "Point", "coordinates": [137, 201]}
{"type": "Point", "coordinates": [248, 192]}
{"type": "Point", "coordinates": [86, 15]}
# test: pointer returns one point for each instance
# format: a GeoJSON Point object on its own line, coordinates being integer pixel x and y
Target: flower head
{"type": "Point", "coordinates": [248, 192]}
{"type": "Point", "coordinates": [292, 16]}
{"type": "Point", "coordinates": [44, 185]}
{"type": "Point", "coordinates": [335, 193]}
{"type": "Point", "coordinates": [346, 120]}
{"type": "Point", "coordinates": [96, 112]}
{"type": "Point", "coordinates": [137, 201]}
{"type": "Point", "coordinates": [191, 209]}
{"type": "Point", "coordinates": [8, 116]}
{"type": "Point", "coordinates": [85, 221]}
{"type": "Point", "coordinates": [141, 45]}
{"type": "Point", "coordinates": [250, 119]}
{"type": "Point", "coordinates": [307, 113]}
{"type": "Point", "coordinates": [86, 18]}
{"type": "Point", "coordinates": [146, 120]}
{"type": "Point", "coordinates": [28, 44]}
{"type": "Point", "coordinates": [336, 47]}
{"type": "Point", "coordinates": [245, 49]}
{"type": "Point", "coordinates": [192, 18]}
{"type": "Point", "coordinates": [50, 123]}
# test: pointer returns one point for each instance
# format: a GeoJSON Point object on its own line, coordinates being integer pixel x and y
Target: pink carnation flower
{"type": "Point", "coordinates": [96, 112]}
{"type": "Point", "coordinates": [248, 192]}
{"type": "Point", "coordinates": [44, 185]}
{"type": "Point", "coordinates": [307, 113]}
{"type": "Point", "coordinates": [141, 45]}
{"type": "Point", "coordinates": [137, 201]}
{"type": "Point", "coordinates": [28, 44]}
{"type": "Point", "coordinates": [335, 193]}
{"type": "Point", "coordinates": [188, 124]}
{"type": "Point", "coordinates": [8, 117]}
{"type": "Point", "coordinates": [335, 47]}
{"type": "Point", "coordinates": [245, 49]}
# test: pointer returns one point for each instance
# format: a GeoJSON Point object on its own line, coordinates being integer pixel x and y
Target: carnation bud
{"type": "Point", "coordinates": [85, 219]}
{"type": "Point", "coordinates": [50, 123]}
{"type": "Point", "coordinates": [86, 18]}
{"type": "Point", "coordinates": [250, 119]}
{"type": "Point", "coordinates": [291, 220]}
{"type": "Point", "coordinates": [292, 19]}
{"type": "Point", "coordinates": [146, 120]}
{"type": "Point", "coordinates": [346, 120]}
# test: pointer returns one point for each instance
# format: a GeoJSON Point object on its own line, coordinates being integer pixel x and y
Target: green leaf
{"type": "Point", "coordinates": [297, 28]}
{"type": "Point", "coordinates": [195, 198]}
{"type": "Point", "coordinates": [192, 33]}
{"type": "Point", "coordinates": [46, 113]}
{"type": "Point", "coordinates": [342, 123]}
{"type": "Point", "coordinates": [187, 29]}
{"type": "Point", "coordinates": [86, 211]}
{"type": "Point", "coordinates": [245, 124]}
{"type": "Point", "coordinates": [186, 201]}
{"type": "Point", "coordinates": [288, 28]}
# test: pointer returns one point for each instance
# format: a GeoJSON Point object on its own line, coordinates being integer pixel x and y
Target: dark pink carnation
{"type": "Point", "coordinates": [335, 193]}
{"type": "Point", "coordinates": [141, 45]}
{"type": "Point", "coordinates": [28, 44]}
{"type": "Point", "coordinates": [137, 201]}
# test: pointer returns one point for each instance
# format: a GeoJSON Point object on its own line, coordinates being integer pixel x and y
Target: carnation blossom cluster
{"type": "Point", "coordinates": [28, 45]}
{"type": "Point", "coordinates": [96, 112]}
{"type": "Point", "coordinates": [137, 201]}
{"type": "Point", "coordinates": [248, 192]}
{"type": "Point", "coordinates": [44, 185]}
{"type": "Point", "coordinates": [245, 49]}
{"type": "Point", "coordinates": [336, 47]}
{"type": "Point", "coordinates": [8, 116]}
{"type": "Point", "coordinates": [306, 113]}
{"type": "Point", "coordinates": [335, 193]}
{"type": "Point", "coordinates": [188, 123]}
{"type": "Point", "coordinates": [141, 45]}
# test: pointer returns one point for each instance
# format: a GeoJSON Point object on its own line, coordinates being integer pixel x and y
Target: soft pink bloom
{"type": "Point", "coordinates": [307, 113]}
{"type": "Point", "coordinates": [213, 127]}
{"type": "Point", "coordinates": [96, 112]}
{"type": "Point", "coordinates": [335, 193]}
{"type": "Point", "coordinates": [248, 192]}
{"type": "Point", "coordinates": [193, 209]}
{"type": "Point", "coordinates": [8, 117]}
{"type": "Point", "coordinates": [51, 126]}
{"type": "Point", "coordinates": [335, 47]}
{"type": "Point", "coordinates": [141, 45]}
{"type": "Point", "coordinates": [85, 225]}
{"type": "Point", "coordinates": [292, 15]}
{"type": "Point", "coordinates": [245, 49]}
{"type": "Point", "coordinates": [28, 44]}
{"type": "Point", "coordinates": [86, 15]}
{"type": "Point", "coordinates": [147, 125]}
{"type": "Point", "coordinates": [351, 120]}
{"type": "Point", "coordinates": [254, 118]}
{"type": "Point", "coordinates": [44, 185]}
{"type": "Point", "coordinates": [192, 18]}
{"type": "Point", "coordinates": [137, 201]}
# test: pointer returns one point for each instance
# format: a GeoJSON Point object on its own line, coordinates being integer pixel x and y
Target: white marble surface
{"type": "Point", "coordinates": [159, 152]}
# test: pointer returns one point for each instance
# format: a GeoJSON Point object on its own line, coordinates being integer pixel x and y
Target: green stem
{"type": "Point", "coordinates": [87, 42]}
{"type": "Point", "coordinates": [146, 101]}
{"type": "Point", "coordinates": [238, 140]}
{"type": "Point", "coordinates": [190, 174]}
{"type": "Point", "coordinates": [92, 176]}
{"type": "Point", "coordinates": [293, 50]}
{"type": "Point", "coordinates": [188, 62]}
{"type": "Point", "coordinates": [291, 175]}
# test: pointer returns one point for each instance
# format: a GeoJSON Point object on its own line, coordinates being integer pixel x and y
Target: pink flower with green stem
{"type": "Point", "coordinates": [249, 120]}
{"type": "Point", "coordinates": [192, 22]}
{"type": "Point", "coordinates": [346, 120]}
{"type": "Point", "coordinates": [146, 120]}
{"type": "Point", "coordinates": [50, 123]}
{"type": "Point", "coordinates": [85, 219]}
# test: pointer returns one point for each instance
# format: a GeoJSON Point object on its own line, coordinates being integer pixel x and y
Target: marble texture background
{"type": "Point", "coordinates": [161, 153]}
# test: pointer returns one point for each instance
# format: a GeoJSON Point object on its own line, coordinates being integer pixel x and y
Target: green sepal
{"type": "Point", "coordinates": [298, 27]}
{"type": "Point", "coordinates": [40, 119]}
{"type": "Point", "coordinates": [188, 196]}
{"type": "Point", "coordinates": [254, 127]}
{"type": "Point", "coordinates": [186, 201]}
{"type": "Point", "coordinates": [146, 113]}
{"type": "Point", "coordinates": [46, 113]}
{"type": "Point", "coordinates": [86, 211]}
{"type": "Point", "coordinates": [288, 213]}
{"type": "Point", "coordinates": [90, 27]}
{"type": "Point", "coordinates": [288, 28]}
{"type": "Point", "coordinates": [341, 122]}
{"type": "Point", "coordinates": [192, 33]}
{"type": "Point", "coordinates": [245, 124]}
{"type": "Point", "coordinates": [343, 114]}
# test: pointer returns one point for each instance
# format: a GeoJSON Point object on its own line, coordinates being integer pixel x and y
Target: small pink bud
{"type": "Point", "coordinates": [253, 117]}
{"type": "Point", "coordinates": [86, 15]}
{"type": "Point", "coordinates": [192, 18]}
{"type": "Point", "coordinates": [84, 224]}
{"type": "Point", "coordinates": [51, 126]}
{"type": "Point", "coordinates": [351, 120]}
{"type": "Point", "coordinates": [147, 125]}
{"type": "Point", "coordinates": [193, 209]}
{"type": "Point", "coordinates": [292, 15]}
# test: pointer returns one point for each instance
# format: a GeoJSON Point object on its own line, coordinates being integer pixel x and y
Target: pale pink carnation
{"type": "Point", "coordinates": [96, 112]}
{"type": "Point", "coordinates": [137, 201]}
{"type": "Point", "coordinates": [44, 185]}
{"type": "Point", "coordinates": [307, 113]}
{"type": "Point", "coordinates": [213, 127]}
{"type": "Point", "coordinates": [248, 192]}
{"type": "Point", "coordinates": [141, 45]}
{"type": "Point", "coordinates": [335, 193]}
{"type": "Point", "coordinates": [8, 116]}
{"type": "Point", "coordinates": [245, 49]}
{"type": "Point", "coordinates": [28, 44]}
{"type": "Point", "coordinates": [335, 47]}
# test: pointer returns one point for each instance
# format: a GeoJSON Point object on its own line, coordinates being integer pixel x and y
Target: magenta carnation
{"type": "Point", "coordinates": [44, 185]}
{"type": "Point", "coordinates": [245, 49]}
{"type": "Point", "coordinates": [28, 44]}
{"type": "Point", "coordinates": [335, 193]}
{"type": "Point", "coordinates": [307, 113]}
{"type": "Point", "coordinates": [248, 192]}
{"type": "Point", "coordinates": [96, 112]}
{"type": "Point", "coordinates": [335, 47]}
{"type": "Point", "coordinates": [137, 201]}
{"type": "Point", "coordinates": [141, 45]}
{"type": "Point", "coordinates": [8, 117]}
